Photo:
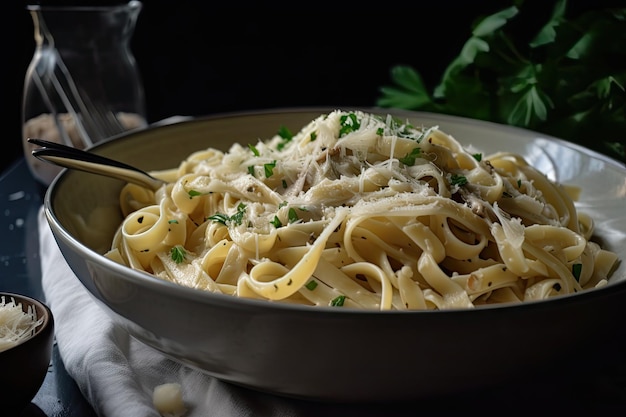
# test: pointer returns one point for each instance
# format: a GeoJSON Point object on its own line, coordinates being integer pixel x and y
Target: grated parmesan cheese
{"type": "Point", "coordinates": [15, 324]}
{"type": "Point", "coordinates": [168, 400]}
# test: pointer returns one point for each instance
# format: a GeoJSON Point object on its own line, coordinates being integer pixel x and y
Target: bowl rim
{"type": "Point", "coordinates": [145, 279]}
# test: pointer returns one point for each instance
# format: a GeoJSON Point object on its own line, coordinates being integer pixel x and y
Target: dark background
{"type": "Point", "coordinates": [198, 58]}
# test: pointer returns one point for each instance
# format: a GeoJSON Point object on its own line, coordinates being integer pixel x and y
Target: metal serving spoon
{"type": "Point", "coordinates": [74, 158]}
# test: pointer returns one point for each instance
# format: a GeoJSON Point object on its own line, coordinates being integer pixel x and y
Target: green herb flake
{"type": "Point", "coordinates": [194, 193]}
{"type": "Point", "coordinates": [313, 136]}
{"type": "Point", "coordinates": [311, 285]}
{"type": "Point", "coordinates": [178, 254]}
{"type": "Point", "coordinates": [380, 131]}
{"type": "Point", "coordinates": [284, 184]}
{"type": "Point", "coordinates": [478, 156]}
{"type": "Point", "coordinates": [254, 150]}
{"type": "Point", "coordinates": [519, 183]}
{"type": "Point", "coordinates": [269, 168]}
{"type": "Point", "coordinates": [292, 215]}
{"type": "Point", "coordinates": [276, 222]}
{"type": "Point", "coordinates": [172, 221]}
{"type": "Point", "coordinates": [219, 218]}
{"type": "Point", "coordinates": [251, 170]}
{"type": "Point", "coordinates": [286, 135]}
{"type": "Point", "coordinates": [576, 271]}
{"type": "Point", "coordinates": [409, 159]}
{"type": "Point", "coordinates": [237, 218]}
{"type": "Point", "coordinates": [338, 301]}
{"type": "Point", "coordinates": [459, 180]}
{"type": "Point", "coordinates": [348, 123]}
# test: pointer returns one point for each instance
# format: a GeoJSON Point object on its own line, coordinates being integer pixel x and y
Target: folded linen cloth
{"type": "Point", "coordinates": [117, 374]}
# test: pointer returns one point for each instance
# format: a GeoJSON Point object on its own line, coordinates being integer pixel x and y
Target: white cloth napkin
{"type": "Point", "coordinates": [117, 374]}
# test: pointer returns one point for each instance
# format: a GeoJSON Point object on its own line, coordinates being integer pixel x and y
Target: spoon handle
{"type": "Point", "coordinates": [74, 158]}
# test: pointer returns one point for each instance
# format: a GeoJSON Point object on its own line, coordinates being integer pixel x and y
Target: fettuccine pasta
{"type": "Point", "coordinates": [362, 211]}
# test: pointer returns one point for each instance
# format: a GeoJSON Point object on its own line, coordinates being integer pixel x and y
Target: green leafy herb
{"type": "Point", "coordinates": [276, 222]}
{"type": "Point", "coordinates": [566, 79]}
{"type": "Point", "coordinates": [269, 168]}
{"type": "Point", "coordinates": [478, 156]}
{"type": "Point", "coordinates": [338, 301]}
{"type": "Point", "coordinates": [348, 123]}
{"type": "Point", "coordinates": [313, 136]}
{"type": "Point", "coordinates": [254, 150]}
{"type": "Point", "coordinates": [576, 270]}
{"type": "Point", "coordinates": [286, 136]}
{"type": "Point", "coordinates": [237, 218]}
{"type": "Point", "coordinates": [292, 215]}
{"type": "Point", "coordinates": [193, 193]}
{"type": "Point", "coordinates": [172, 221]}
{"type": "Point", "coordinates": [251, 170]}
{"type": "Point", "coordinates": [459, 180]}
{"type": "Point", "coordinates": [409, 159]}
{"type": "Point", "coordinates": [224, 219]}
{"type": "Point", "coordinates": [311, 285]}
{"type": "Point", "coordinates": [178, 253]}
{"type": "Point", "coordinates": [219, 218]}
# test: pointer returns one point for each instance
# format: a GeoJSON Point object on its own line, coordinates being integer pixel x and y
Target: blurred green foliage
{"type": "Point", "coordinates": [567, 80]}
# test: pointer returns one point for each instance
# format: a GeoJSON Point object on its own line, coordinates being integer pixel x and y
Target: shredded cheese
{"type": "Point", "coordinates": [16, 325]}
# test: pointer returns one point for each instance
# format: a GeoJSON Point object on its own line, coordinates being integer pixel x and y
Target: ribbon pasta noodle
{"type": "Point", "coordinates": [362, 211]}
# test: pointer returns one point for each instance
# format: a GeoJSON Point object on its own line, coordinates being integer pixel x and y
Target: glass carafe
{"type": "Point", "coordinates": [82, 85]}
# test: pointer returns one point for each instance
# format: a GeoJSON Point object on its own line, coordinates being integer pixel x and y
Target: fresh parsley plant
{"type": "Point", "coordinates": [568, 79]}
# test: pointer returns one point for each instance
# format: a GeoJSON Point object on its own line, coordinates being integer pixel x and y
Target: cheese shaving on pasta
{"type": "Point", "coordinates": [363, 211]}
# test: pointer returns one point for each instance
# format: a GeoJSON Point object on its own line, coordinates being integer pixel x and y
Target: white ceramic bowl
{"type": "Point", "coordinates": [330, 354]}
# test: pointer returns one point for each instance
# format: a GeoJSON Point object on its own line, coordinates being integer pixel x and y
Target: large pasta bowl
{"type": "Point", "coordinates": [344, 354]}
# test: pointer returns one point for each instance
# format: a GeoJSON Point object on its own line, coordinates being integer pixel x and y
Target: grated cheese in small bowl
{"type": "Point", "coordinates": [16, 325]}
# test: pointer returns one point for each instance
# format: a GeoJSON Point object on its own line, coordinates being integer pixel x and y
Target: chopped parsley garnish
{"type": "Point", "coordinates": [576, 270]}
{"type": "Point", "coordinates": [194, 193]}
{"type": "Point", "coordinates": [313, 136]}
{"type": "Point", "coordinates": [338, 301]}
{"type": "Point", "coordinates": [269, 168]}
{"type": "Point", "coordinates": [172, 221]}
{"type": "Point", "coordinates": [311, 285]}
{"type": "Point", "coordinates": [236, 218]}
{"type": "Point", "coordinates": [219, 218]}
{"type": "Point", "coordinates": [178, 253]}
{"type": "Point", "coordinates": [458, 180]}
{"type": "Point", "coordinates": [293, 216]}
{"type": "Point", "coordinates": [276, 222]}
{"type": "Point", "coordinates": [286, 135]}
{"type": "Point", "coordinates": [519, 183]}
{"type": "Point", "coordinates": [380, 131]}
{"type": "Point", "coordinates": [251, 170]}
{"type": "Point", "coordinates": [478, 156]}
{"type": "Point", "coordinates": [409, 159]}
{"type": "Point", "coordinates": [349, 123]}
{"type": "Point", "coordinates": [254, 150]}
{"type": "Point", "coordinates": [284, 184]}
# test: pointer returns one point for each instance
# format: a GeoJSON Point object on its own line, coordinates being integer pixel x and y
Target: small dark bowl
{"type": "Point", "coordinates": [24, 366]}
